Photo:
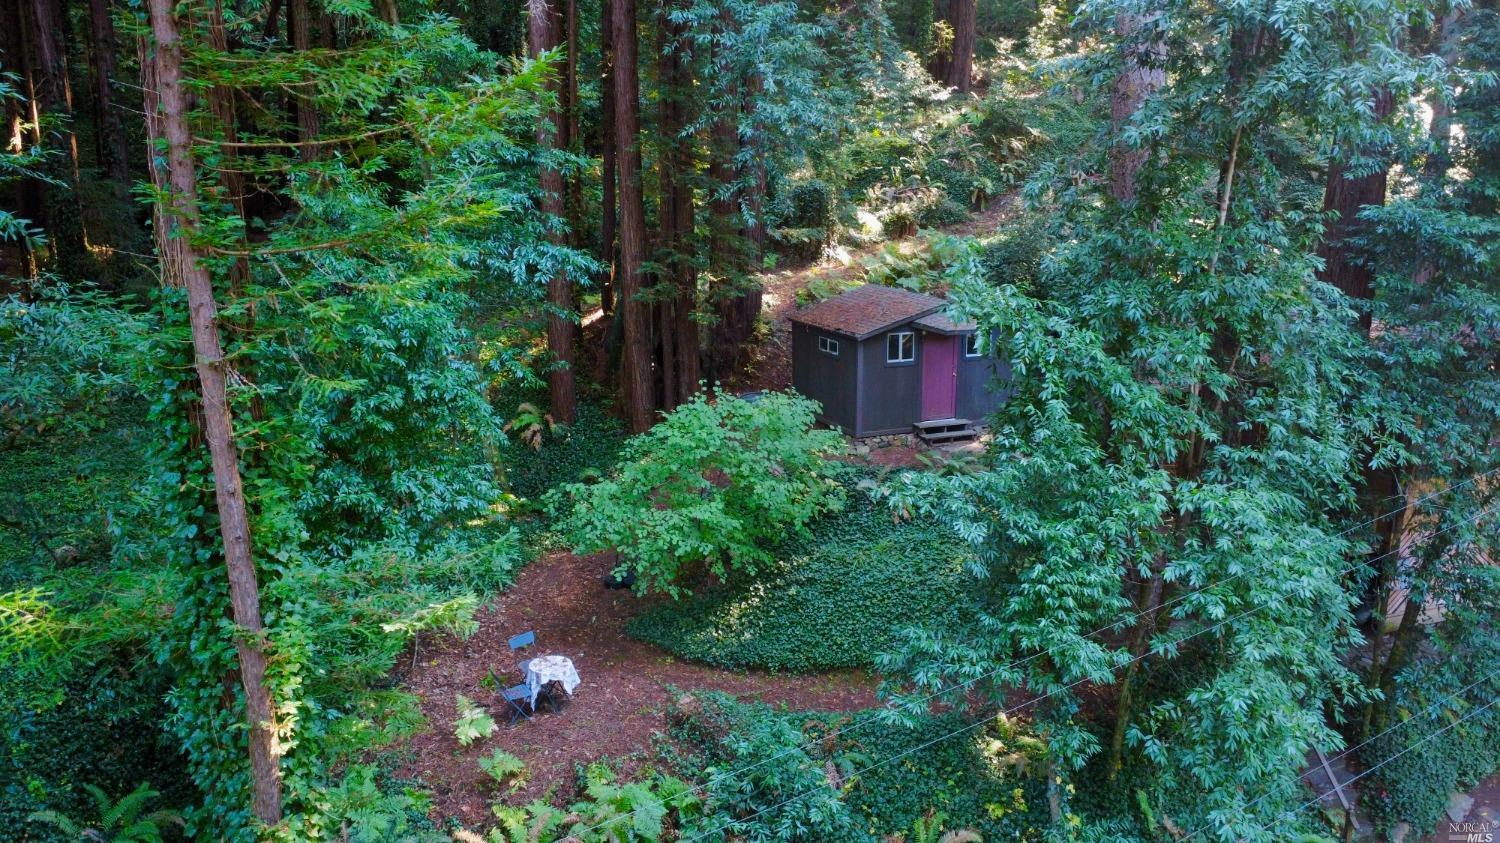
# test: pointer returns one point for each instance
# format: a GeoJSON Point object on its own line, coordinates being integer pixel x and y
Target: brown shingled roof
{"type": "Point", "coordinates": [865, 311]}
{"type": "Point", "coordinates": [942, 323]}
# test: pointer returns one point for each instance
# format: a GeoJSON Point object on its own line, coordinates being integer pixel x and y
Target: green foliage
{"type": "Point", "coordinates": [921, 264]}
{"type": "Point", "coordinates": [64, 358]}
{"type": "Point", "coordinates": [708, 490]}
{"type": "Point", "coordinates": [367, 807]}
{"type": "Point", "coordinates": [63, 494]}
{"type": "Point", "coordinates": [584, 451]}
{"type": "Point", "coordinates": [455, 617]}
{"type": "Point", "coordinates": [114, 822]}
{"type": "Point", "coordinates": [836, 597]}
{"type": "Point", "coordinates": [473, 721]}
{"type": "Point", "coordinates": [637, 811]}
{"type": "Point", "coordinates": [505, 769]}
{"type": "Point", "coordinates": [1441, 738]}
{"type": "Point", "coordinates": [862, 783]}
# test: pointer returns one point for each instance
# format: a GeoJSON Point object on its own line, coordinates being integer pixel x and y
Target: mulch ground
{"type": "Point", "coordinates": [613, 714]}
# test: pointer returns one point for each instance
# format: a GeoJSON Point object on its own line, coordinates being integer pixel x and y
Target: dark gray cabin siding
{"type": "Point", "coordinates": [979, 391]}
{"type": "Point", "coordinates": [824, 378]}
{"type": "Point", "coordinates": [890, 396]}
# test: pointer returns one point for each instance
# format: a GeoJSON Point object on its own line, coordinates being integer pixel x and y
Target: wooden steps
{"type": "Point", "coordinates": [944, 431]}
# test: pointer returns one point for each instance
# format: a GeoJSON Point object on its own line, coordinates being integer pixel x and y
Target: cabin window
{"type": "Point", "coordinates": [901, 347]}
{"type": "Point", "coordinates": [971, 345]}
{"type": "Point", "coordinates": [828, 345]}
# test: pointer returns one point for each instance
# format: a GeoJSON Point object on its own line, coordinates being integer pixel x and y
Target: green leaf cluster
{"type": "Point", "coordinates": [709, 490]}
{"type": "Point", "coordinates": [835, 598]}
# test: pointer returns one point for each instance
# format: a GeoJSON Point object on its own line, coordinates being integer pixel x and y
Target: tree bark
{"type": "Point", "coordinates": [607, 205]}
{"type": "Point", "coordinates": [1147, 604]}
{"type": "Point", "coordinates": [54, 96]}
{"type": "Point", "coordinates": [636, 376]}
{"type": "Point", "coordinates": [234, 519]}
{"type": "Point", "coordinates": [679, 335]}
{"type": "Point", "coordinates": [1347, 195]}
{"type": "Point", "coordinates": [110, 130]}
{"type": "Point", "coordinates": [543, 30]}
{"type": "Point", "coordinates": [299, 21]}
{"type": "Point", "coordinates": [959, 69]}
{"type": "Point", "coordinates": [571, 139]}
{"type": "Point", "coordinates": [20, 120]}
{"type": "Point", "coordinates": [1141, 75]}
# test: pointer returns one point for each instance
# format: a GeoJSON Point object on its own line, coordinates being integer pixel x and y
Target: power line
{"type": "Point", "coordinates": [1012, 710]}
{"type": "Point", "coordinates": [1346, 753]}
{"type": "Point", "coordinates": [868, 719]}
{"type": "Point", "coordinates": [1452, 725]}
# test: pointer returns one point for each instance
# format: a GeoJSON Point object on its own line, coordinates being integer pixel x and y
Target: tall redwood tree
{"type": "Point", "coordinates": [544, 33]}
{"type": "Point", "coordinates": [636, 376]}
{"type": "Point", "coordinates": [179, 208]}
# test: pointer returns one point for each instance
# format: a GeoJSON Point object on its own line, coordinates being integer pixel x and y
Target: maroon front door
{"type": "Point", "coordinates": [939, 376]}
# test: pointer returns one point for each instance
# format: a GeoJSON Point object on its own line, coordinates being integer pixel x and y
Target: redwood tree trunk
{"type": "Point", "coordinates": [680, 329]}
{"type": "Point", "coordinates": [299, 21]}
{"type": "Point", "coordinates": [54, 98]}
{"type": "Point", "coordinates": [110, 130]}
{"type": "Point", "coordinates": [636, 376]}
{"type": "Point", "coordinates": [959, 69]}
{"type": "Point", "coordinates": [608, 177]}
{"type": "Point", "coordinates": [543, 33]}
{"type": "Point", "coordinates": [1347, 196]}
{"type": "Point", "coordinates": [1141, 75]}
{"type": "Point", "coordinates": [234, 519]}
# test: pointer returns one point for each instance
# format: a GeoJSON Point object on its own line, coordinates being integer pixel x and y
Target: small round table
{"type": "Point", "coordinates": [544, 669]}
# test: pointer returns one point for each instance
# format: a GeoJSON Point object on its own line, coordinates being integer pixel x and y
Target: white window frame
{"type": "Point", "coordinates": [911, 337]}
{"type": "Point", "coordinates": [828, 345]}
{"type": "Point", "coordinates": [972, 340]}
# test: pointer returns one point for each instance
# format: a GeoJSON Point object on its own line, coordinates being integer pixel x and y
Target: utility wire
{"type": "Point", "coordinates": [1346, 753]}
{"type": "Point", "coordinates": [868, 719]}
{"type": "Point", "coordinates": [1293, 811]}
{"type": "Point", "coordinates": [1013, 709]}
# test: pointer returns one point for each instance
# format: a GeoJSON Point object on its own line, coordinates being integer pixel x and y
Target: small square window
{"type": "Point", "coordinates": [901, 347]}
{"type": "Point", "coordinates": [828, 345]}
{"type": "Point", "coordinates": [971, 345]}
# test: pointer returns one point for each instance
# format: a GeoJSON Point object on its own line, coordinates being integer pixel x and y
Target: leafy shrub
{"type": "Point", "coordinates": [63, 358]}
{"type": "Point", "coordinates": [764, 784]}
{"type": "Point", "coordinates": [871, 157]}
{"type": "Point", "coordinates": [709, 490]}
{"type": "Point", "coordinates": [473, 722]}
{"type": "Point", "coordinates": [586, 449]}
{"type": "Point", "coordinates": [860, 778]}
{"type": "Point", "coordinates": [921, 264]}
{"type": "Point", "coordinates": [505, 769]}
{"type": "Point", "coordinates": [1014, 255]}
{"type": "Point", "coordinates": [803, 216]}
{"type": "Point", "coordinates": [59, 494]}
{"type": "Point", "coordinates": [837, 597]}
{"type": "Point", "coordinates": [824, 287]}
{"type": "Point", "coordinates": [638, 811]}
{"type": "Point", "coordinates": [1419, 773]}
{"type": "Point", "coordinates": [104, 732]}
{"type": "Point", "coordinates": [114, 822]}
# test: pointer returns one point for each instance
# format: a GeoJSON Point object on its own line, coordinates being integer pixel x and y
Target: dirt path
{"type": "Point", "coordinates": [613, 713]}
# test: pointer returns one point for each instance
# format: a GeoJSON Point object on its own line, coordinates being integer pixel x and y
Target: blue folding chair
{"type": "Point", "coordinates": [517, 697]}
{"type": "Point", "coordinates": [518, 642]}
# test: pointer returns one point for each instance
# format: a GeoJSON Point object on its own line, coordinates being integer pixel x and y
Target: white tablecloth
{"type": "Point", "coordinates": [543, 669]}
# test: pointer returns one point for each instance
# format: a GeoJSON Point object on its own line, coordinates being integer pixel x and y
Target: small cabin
{"type": "Point", "coordinates": [884, 361]}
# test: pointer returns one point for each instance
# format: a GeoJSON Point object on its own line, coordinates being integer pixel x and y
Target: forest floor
{"type": "Point", "coordinates": [621, 703]}
{"type": "Point", "coordinates": [627, 685]}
